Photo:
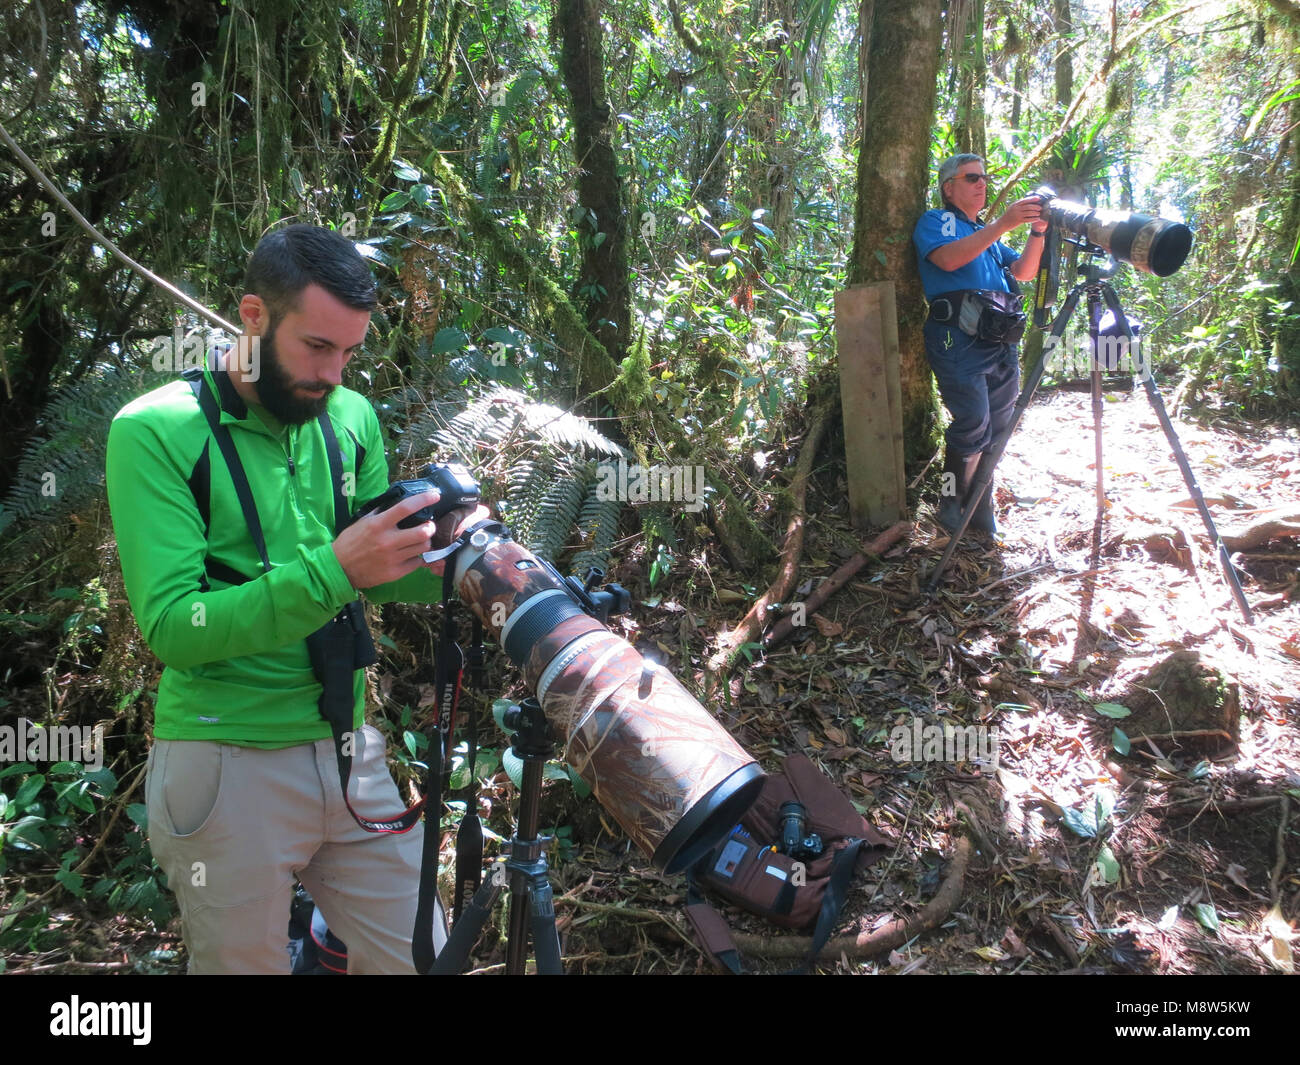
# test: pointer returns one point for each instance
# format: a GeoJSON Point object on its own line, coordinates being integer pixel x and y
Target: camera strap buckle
{"type": "Point", "coordinates": [475, 536]}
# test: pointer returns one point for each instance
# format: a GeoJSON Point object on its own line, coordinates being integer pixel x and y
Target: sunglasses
{"type": "Point", "coordinates": [970, 179]}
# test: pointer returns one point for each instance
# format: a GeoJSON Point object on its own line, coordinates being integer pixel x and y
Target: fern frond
{"type": "Point", "coordinates": [62, 468]}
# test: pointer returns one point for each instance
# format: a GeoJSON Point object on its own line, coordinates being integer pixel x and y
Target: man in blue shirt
{"type": "Point", "coordinates": [978, 379]}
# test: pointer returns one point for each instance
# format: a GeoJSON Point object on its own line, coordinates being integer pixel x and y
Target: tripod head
{"type": "Point", "coordinates": [1098, 266]}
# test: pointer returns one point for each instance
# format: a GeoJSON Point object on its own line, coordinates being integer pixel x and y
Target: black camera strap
{"type": "Point", "coordinates": [469, 837]}
{"type": "Point", "coordinates": [212, 412]}
{"type": "Point", "coordinates": [448, 673]}
{"type": "Point", "coordinates": [343, 644]}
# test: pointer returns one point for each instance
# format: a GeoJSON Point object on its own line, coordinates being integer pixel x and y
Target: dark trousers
{"type": "Point", "coordinates": [979, 383]}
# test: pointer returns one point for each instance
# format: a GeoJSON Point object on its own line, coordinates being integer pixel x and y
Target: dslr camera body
{"type": "Point", "coordinates": [451, 481]}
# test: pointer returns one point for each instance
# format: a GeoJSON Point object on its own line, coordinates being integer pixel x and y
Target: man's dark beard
{"type": "Point", "coordinates": [275, 388]}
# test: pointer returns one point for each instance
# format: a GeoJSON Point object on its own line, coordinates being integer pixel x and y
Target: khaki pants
{"type": "Point", "coordinates": [232, 826]}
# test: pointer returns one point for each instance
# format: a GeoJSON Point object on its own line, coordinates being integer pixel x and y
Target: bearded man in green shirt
{"type": "Point", "coordinates": [242, 787]}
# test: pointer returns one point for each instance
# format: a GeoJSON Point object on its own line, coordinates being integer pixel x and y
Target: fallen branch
{"type": "Point", "coordinates": [1275, 878]}
{"type": "Point", "coordinates": [73, 966]}
{"type": "Point", "coordinates": [1275, 526]}
{"type": "Point", "coordinates": [887, 937]}
{"type": "Point", "coordinates": [751, 625]}
{"type": "Point", "coordinates": [782, 629]}
{"type": "Point", "coordinates": [1227, 806]}
{"type": "Point", "coordinates": [1182, 734]}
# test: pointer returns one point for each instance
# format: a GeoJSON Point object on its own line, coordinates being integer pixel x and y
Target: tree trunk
{"type": "Point", "coordinates": [1286, 337]}
{"type": "Point", "coordinates": [604, 281]}
{"type": "Point", "coordinates": [969, 125]}
{"type": "Point", "coordinates": [1064, 25]}
{"type": "Point", "coordinates": [893, 176]}
{"type": "Point", "coordinates": [1019, 85]}
{"type": "Point", "coordinates": [407, 28]}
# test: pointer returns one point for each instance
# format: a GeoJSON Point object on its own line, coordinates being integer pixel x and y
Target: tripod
{"type": "Point", "coordinates": [532, 905]}
{"type": "Point", "coordinates": [1096, 286]}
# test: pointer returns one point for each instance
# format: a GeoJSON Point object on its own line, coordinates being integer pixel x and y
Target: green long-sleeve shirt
{"type": "Point", "coordinates": [237, 668]}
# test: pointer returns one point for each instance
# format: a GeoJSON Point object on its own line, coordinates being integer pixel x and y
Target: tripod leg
{"type": "Point", "coordinates": [1189, 478]}
{"type": "Point", "coordinates": [1094, 321]}
{"type": "Point", "coordinates": [465, 933]}
{"type": "Point", "coordinates": [546, 938]}
{"type": "Point", "coordinates": [984, 473]}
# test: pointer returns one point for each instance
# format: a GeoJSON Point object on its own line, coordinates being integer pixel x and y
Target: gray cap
{"type": "Point", "coordinates": [949, 167]}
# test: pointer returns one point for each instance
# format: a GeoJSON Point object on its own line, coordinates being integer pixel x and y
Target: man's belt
{"type": "Point", "coordinates": [945, 306]}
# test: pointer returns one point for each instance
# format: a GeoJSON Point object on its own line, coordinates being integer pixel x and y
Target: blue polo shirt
{"type": "Point", "coordinates": [939, 227]}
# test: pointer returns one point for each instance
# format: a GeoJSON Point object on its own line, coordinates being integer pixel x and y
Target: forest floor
{"type": "Point", "coordinates": [1195, 867]}
{"type": "Point", "coordinates": [1070, 642]}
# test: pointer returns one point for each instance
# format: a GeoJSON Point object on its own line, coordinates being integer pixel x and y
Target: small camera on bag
{"type": "Point", "coordinates": [796, 840]}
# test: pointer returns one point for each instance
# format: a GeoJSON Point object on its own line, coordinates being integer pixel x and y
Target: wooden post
{"type": "Point", "coordinates": [866, 335]}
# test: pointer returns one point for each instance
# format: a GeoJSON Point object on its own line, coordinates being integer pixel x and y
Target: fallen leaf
{"type": "Point", "coordinates": [1233, 873]}
{"type": "Point", "coordinates": [1107, 865]}
{"type": "Point", "coordinates": [827, 627]}
{"type": "Point", "coordinates": [1014, 944]}
{"type": "Point", "coordinates": [1280, 935]}
{"type": "Point", "coordinates": [1114, 710]}
{"type": "Point", "coordinates": [991, 953]}
{"type": "Point", "coordinates": [836, 736]}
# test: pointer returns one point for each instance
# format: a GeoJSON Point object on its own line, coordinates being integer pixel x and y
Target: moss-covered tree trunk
{"type": "Point", "coordinates": [404, 52]}
{"type": "Point", "coordinates": [968, 129]}
{"type": "Point", "coordinates": [1063, 23]}
{"type": "Point", "coordinates": [893, 176]}
{"type": "Point", "coordinates": [604, 281]}
{"type": "Point", "coordinates": [1286, 336]}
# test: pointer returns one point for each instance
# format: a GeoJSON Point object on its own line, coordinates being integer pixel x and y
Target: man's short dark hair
{"type": "Point", "coordinates": [288, 259]}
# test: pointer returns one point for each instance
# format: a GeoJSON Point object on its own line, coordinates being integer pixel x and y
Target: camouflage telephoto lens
{"type": "Point", "coordinates": [668, 773]}
{"type": "Point", "coordinates": [1154, 245]}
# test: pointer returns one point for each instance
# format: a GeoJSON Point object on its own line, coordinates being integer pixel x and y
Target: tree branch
{"type": "Point", "coordinates": [1288, 8]}
{"type": "Point", "coordinates": [791, 550]}
{"type": "Point", "coordinates": [1099, 77]}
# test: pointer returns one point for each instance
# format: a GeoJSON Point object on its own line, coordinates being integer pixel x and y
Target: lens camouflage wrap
{"type": "Point", "coordinates": [649, 751]}
{"type": "Point", "coordinates": [653, 756]}
{"type": "Point", "coordinates": [1154, 245]}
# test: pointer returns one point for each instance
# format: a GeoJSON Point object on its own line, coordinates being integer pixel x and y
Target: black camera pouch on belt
{"type": "Point", "coordinates": [337, 649]}
{"type": "Point", "coordinates": [983, 315]}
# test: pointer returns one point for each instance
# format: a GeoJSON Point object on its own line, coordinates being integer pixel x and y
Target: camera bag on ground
{"type": "Point", "coordinates": [313, 949]}
{"type": "Point", "coordinates": [799, 881]}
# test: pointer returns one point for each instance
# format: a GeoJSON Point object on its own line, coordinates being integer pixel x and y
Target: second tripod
{"type": "Point", "coordinates": [1095, 284]}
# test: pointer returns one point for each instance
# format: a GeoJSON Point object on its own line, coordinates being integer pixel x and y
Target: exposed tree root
{"type": "Point", "coordinates": [1270, 526]}
{"type": "Point", "coordinates": [791, 550]}
{"type": "Point", "coordinates": [839, 578]}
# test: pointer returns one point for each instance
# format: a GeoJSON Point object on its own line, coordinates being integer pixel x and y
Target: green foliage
{"type": "Point", "coordinates": [46, 820]}
{"type": "Point", "coordinates": [62, 468]}
{"type": "Point", "coordinates": [541, 462]}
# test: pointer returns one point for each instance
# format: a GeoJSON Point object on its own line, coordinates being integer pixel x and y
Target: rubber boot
{"type": "Point", "coordinates": [949, 514]}
{"type": "Point", "coordinates": [983, 520]}
{"type": "Point", "coordinates": [952, 488]}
